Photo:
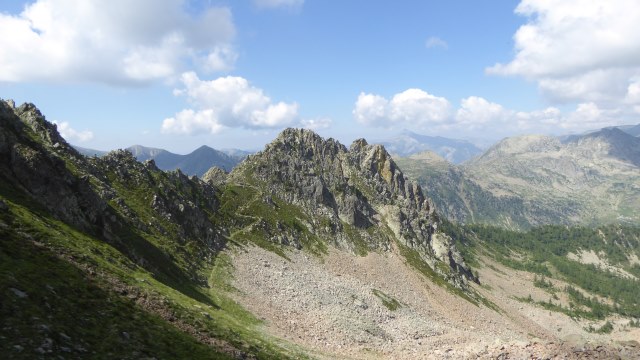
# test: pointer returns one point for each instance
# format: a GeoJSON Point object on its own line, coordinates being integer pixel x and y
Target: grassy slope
{"type": "Point", "coordinates": [595, 292]}
{"type": "Point", "coordinates": [84, 296]}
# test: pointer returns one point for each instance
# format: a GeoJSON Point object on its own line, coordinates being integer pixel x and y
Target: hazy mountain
{"type": "Point", "coordinates": [631, 129]}
{"type": "Point", "coordinates": [534, 180]}
{"type": "Point", "coordinates": [143, 153]}
{"type": "Point", "coordinates": [459, 198]}
{"type": "Point", "coordinates": [237, 153]}
{"type": "Point", "coordinates": [90, 152]}
{"type": "Point", "coordinates": [593, 179]}
{"type": "Point", "coordinates": [408, 143]}
{"type": "Point", "coordinates": [195, 163]}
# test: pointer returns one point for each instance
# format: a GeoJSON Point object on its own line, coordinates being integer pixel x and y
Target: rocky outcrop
{"type": "Point", "coordinates": [114, 198]}
{"type": "Point", "coordinates": [215, 176]}
{"type": "Point", "coordinates": [32, 158]}
{"type": "Point", "coordinates": [303, 189]}
{"type": "Point", "coordinates": [354, 197]}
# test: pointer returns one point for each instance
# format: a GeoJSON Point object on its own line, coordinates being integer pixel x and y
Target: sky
{"type": "Point", "coordinates": [178, 74]}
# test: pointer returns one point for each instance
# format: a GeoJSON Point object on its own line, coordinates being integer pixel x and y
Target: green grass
{"type": "Point", "coordinates": [255, 217]}
{"type": "Point", "coordinates": [388, 301]}
{"type": "Point", "coordinates": [70, 279]}
{"type": "Point", "coordinates": [414, 260]}
{"type": "Point", "coordinates": [360, 245]}
{"type": "Point", "coordinates": [607, 328]}
{"type": "Point", "coordinates": [76, 310]}
{"type": "Point", "coordinates": [544, 251]}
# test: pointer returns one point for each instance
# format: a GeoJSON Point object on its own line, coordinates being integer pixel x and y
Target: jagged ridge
{"type": "Point", "coordinates": [353, 197]}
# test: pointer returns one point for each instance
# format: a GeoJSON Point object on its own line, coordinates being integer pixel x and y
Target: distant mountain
{"type": "Point", "coordinates": [591, 179]}
{"type": "Point", "coordinates": [460, 199]}
{"type": "Point", "coordinates": [453, 150]}
{"type": "Point", "coordinates": [195, 163]}
{"type": "Point", "coordinates": [533, 180]}
{"type": "Point", "coordinates": [90, 152]}
{"type": "Point", "coordinates": [237, 153]}
{"type": "Point", "coordinates": [143, 153]}
{"type": "Point", "coordinates": [633, 130]}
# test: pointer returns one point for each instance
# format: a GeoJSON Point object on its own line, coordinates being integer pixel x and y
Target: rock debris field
{"type": "Point", "coordinates": [342, 306]}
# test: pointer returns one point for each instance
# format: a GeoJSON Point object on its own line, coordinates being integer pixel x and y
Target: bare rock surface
{"type": "Point", "coordinates": [333, 306]}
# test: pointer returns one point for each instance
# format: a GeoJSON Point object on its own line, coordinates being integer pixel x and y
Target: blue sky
{"type": "Point", "coordinates": [231, 74]}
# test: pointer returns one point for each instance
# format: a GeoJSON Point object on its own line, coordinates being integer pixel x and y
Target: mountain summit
{"type": "Point", "coordinates": [354, 198]}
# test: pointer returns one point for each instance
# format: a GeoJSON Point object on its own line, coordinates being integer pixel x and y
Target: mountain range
{"type": "Point", "coordinates": [195, 163]}
{"type": "Point", "coordinates": [533, 180]}
{"type": "Point", "coordinates": [306, 249]}
{"type": "Point", "coordinates": [408, 143]}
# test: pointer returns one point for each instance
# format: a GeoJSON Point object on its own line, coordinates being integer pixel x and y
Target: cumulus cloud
{"type": "Point", "coordinates": [412, 106]}
{"type": "Point", "coordinates": [436, 42]}
{"type": "Point", "coordinates": [279, 3]}
{"type": "Point", "coordinates": [417, 109]}
{"type": "Point", "coordinates": [72, 135]}
{"type": "Point", "coordinates": [117, 42]}
{"type": "Point", "coordinates": [577, 50]}
{"type": "Point", "coordinates": [227, 102]}
{"type": "Point", "coordinates": [475, 111]}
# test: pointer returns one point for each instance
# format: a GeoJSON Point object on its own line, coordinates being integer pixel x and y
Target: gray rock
{"type": "Point", "coordinates": [215, 176]}
{"type": "Point", "coordinates": [348, 193]}
{"type": "Point", "coordinates": [19, 293]}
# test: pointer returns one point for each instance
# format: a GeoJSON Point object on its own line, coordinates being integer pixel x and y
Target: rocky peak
{"type": "Point", "coordinates": [305, 143]}
{"type": "Point", "coordinates": [376, 163]}
{"type": "Point", "coordinates": [357, 145]}
{"type": "Point", "coordinates": [47, 131]}
{"type": "Point", "coordinates": [349, 193]}
{"type": "Point", "coordinates": [215, 176]}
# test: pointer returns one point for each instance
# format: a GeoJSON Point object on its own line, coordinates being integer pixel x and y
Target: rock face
{"type": "Point", "coordinates": [111, 197]}
{"type": "Point", "coordinates": [353, 197]}
{"type": "Point", "coordinates": [29, 149]}
{"type": "Point", "coordinates": [215, 176]}
{"type": "Point", "coordinates": [307, 190]}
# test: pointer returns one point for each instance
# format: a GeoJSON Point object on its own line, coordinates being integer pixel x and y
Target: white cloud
{"type": "Point", "coordinates": [118, 41]}
{"type": "Point", "coordinates": [72, 135]}
{"type": "Point", "coordinates": [546, 118]}
{"type": "Point", "coordinates": [416, 109]}
{"type": "Point", "coordinates": [577, 50]}
{"type": "Point", "coordinates": [371, 110]}
{"type": "Point", "coordinates": [413, 106]}
{"type": "Point", "coordinates": [590, 116]}
{"type": "Point", "coordinates": [316, 124]}
{"type": "Point", "coordinates": [221, 58]}
{"type": "Point", "coordinates": [227, 102]}
{"type": "Point", "coordinates": [475, 111]}
{"type": "Point", "coordinates": [633, 92]}
{"type": "Point", "coordinates": [279, 3]}
{"type": "Point", "coordinates": [435, 42]}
